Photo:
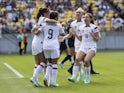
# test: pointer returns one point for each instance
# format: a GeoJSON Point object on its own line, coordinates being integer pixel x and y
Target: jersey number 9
{"type": "Point", "coordinates": [50, 32]}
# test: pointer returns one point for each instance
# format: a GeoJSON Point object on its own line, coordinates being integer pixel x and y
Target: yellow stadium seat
{"type": "Point", "coordinates": [120, 5]}
{"type": "Point", "coordinates": [95, 9]}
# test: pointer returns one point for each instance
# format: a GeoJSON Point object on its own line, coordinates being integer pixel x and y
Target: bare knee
{"type": "Point", "coordinates": [86, 63]}
{"type": "Point", "coordinates": [77, 60]}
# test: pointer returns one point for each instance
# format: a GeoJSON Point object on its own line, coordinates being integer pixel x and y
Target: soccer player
{"type": "Point", "coordinates": [90, 36]}
{"type": "Point", "coordinates": [37, 45]}
{"type": "Point", "coordinates": [74, 31]}
{"type": "Point", "coordinates": [51, 47]}
{"type": "Point", "coordinates": [67, 45]}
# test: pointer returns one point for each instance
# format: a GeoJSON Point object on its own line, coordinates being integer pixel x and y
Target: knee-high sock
{"type": "Point", "coordinates": [75, 70]}
{"type": "Point", "coordinates": [80, 67]}
{"type": "Point", "coordinates": [87, 72]}
{"type": "Point", "coordinates": [68, 57]}
{"type": "Point", "coordinates": [91, 66]}
{"type": "Point", "coordinates": [35, 67]}
{"type": "Point", "coordinates": [54, 73]}
{"type": "Point", "coordinates": [38, 70]}
{"type": "Point", "coordinates": [48, 71]}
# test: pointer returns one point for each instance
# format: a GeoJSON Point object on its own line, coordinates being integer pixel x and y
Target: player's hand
{"type": "Point", "coordinates": [61, 38]}
{"type": "Point", "coordinates": [72, 31]}
{"type": "Point", "coordinates": [92, 34]}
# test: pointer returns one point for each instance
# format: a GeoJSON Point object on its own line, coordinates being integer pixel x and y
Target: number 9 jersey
{"type": "Point", "coordinates": [51, 33]}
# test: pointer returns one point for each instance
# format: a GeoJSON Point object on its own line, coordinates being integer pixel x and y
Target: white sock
{"type": "Point", "coordinates": [75, 70]}
{"type": "Point", "coordinates": [45, 69]}
{"type": "Point", "coordinates": [80, 67]}
{"type": "Point", "coordinates": [38, 70]}
{"type": "Point", "coordinates": [54, 73]}
{"type": "Point", "coordinates": [35, 67]}
{"type": "Point", "coordinates": [48, 70]}
{"type": "Point", "coordinates": [87, 72]}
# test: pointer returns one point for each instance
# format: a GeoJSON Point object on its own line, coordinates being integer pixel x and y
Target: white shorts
{"type": "Point", "coordinates": [52, 53]}
{"type": "Point", "coordinates": [77, 48]}
{"type": "Point", "coordinates": [86, 50]}
{"type": "Point", "coordinates": [37, 48]}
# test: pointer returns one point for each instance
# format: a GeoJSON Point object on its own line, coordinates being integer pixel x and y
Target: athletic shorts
{"type": "Point", "coordinates": [77, 48]}
{"type": "Point", "coordinates": [52, 53]}
{"type": "Point", "coordinates": [63, 46]}
{"type": "Point", "coordinates": [37, 48]}
{"type": "Point", "coordinates": [71, 43]}
{"type": "Point", "coordinates": [86, 50]}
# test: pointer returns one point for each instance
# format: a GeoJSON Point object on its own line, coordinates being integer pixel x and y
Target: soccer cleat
{"type": "Point", "coordinates": [79, 78]}
{"type": "Point", "coordinates": [93, 72]}
{"type": "Point", "coordinates": [35, 82]}
{"type": "Point", "coordinates": [40, 85]}
{"type": "Point", "coordinates": [87, 81]}
{"type": "Point", "coordinates": [71, 79]}
{"type": "Point", "coordinates": [72, 62]}
{"type": "Point", "coordinates": [54, 85]}
{"type": "Point", "coordinates": [46, 82]}
{"type": "Point", "coordinates": [61, 65]}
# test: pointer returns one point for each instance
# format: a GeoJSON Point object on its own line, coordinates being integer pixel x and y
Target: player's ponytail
{"type": "Point", "coordinates": [38, 14]}
{"type": "Point", "coordinates": [41, 12]}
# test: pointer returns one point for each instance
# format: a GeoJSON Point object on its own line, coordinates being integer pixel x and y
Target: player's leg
{"type": "Point", "coordinates": [39, 68]}
{"type": "Point", "coordinates": [92, 70]}
{"type": "Point", "coordinates": [70, 70]}
{"type": "Point", "coordinates": [54, 56]}
{"type": "Point", "coordinates": [48, 74]}
{"type": "Point", "coordinates": [47, 54]}
{"type": "Point", "coordinates": [63, 47]}
{"type": "Point", "coordinates": [79, 56]}
{"type": "Point", "coordinates": [54, 72]}
{"type": "Point", "coordinates": [90, 54]}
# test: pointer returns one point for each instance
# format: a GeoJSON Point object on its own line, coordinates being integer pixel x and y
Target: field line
{"type": "Point", "coordinates": [13, 70]}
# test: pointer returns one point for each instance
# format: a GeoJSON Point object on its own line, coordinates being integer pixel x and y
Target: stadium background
{"type": "Point", "coordinates": [14, 14]}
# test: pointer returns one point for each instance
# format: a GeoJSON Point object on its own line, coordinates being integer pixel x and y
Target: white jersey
{"type": "Point", "coordinates": [37, 42]}
{"type": "Point", "coordinates": [75, 25]}
{"type": "Point", "coordinates": [51, 33]}
{"type": "Point", "coordinates": [87, 39]}
{"type": "Point", "coordinates": [39, 38]}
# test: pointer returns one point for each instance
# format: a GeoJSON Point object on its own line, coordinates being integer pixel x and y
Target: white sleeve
{"type": "Point", "coordinates": [41, 21]}
{"type": "Point", "coordinates": [95, 29]}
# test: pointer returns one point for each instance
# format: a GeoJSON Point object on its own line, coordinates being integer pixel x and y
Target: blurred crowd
{"type": "Point", "coordinates": [19, 14]}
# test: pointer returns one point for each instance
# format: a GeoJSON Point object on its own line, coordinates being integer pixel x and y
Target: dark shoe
{"type": "Point", "coordinates": [93, 72]}
{"type": "Point", "coordinates": [70, 71]}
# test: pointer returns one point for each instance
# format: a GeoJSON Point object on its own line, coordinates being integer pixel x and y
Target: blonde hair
{"type": "Point", "coordinates": [80, 10]}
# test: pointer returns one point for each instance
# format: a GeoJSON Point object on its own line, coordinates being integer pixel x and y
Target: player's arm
{"type": "Point", "coordinates": [73, 32]}
{"type": "Point", "coordinates": [50, 20]}
{"type": "Point", "coordinates": [35, 30]}
{"type": "Point", "coordinates": [96, 36]}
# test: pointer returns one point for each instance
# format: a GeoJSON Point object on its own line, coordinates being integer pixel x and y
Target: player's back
{"type": "Point", "coordinates": [51, 33]}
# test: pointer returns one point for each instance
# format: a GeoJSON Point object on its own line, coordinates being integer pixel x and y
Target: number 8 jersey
{"type": "Point", "coordinates": [87, 39]}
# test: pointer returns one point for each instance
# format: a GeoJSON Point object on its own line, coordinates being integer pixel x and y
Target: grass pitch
{"type": "Point", "coordinates": [110, 64]}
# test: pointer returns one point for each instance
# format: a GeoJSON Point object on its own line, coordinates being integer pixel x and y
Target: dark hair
{"type": "Point", "coordinates": [91, 17]}
{"type": "Point", "coordinates": [41, 12]}
{"type": "Point", "coordinates": [53, 15]}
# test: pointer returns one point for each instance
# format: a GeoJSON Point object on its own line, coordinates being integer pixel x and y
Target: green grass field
{"type": "Point", "coordinates": [110, 64]}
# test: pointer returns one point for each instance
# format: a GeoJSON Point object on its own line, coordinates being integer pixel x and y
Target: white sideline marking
{"type": "Point", "coordinates": [15, 71]}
